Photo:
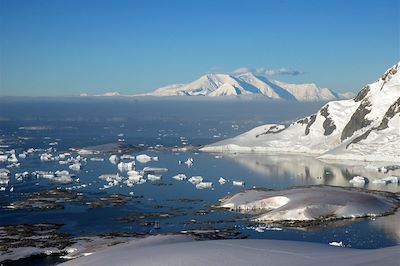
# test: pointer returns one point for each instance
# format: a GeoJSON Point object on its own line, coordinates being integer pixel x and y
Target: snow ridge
{"type": "Point", "coordinates": [247, 84]}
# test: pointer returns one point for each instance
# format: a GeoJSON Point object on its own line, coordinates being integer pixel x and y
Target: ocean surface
{"type": "Point", "coordinates": [168, 205]}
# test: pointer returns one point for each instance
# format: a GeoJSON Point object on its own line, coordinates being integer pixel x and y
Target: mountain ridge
{"type": "Point", "coordinates": [366, 127]}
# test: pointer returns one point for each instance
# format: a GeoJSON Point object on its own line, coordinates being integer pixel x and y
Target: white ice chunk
{"type": "Point", "coordinates": [180, 177]}
{"type": "Point", "coordinates": [203, 185]}
{"type": "Point", "coordinates": [144, 158]}
{"type": "Point", "coordinates": [222, 180]}
{"type": "Point", "coordinates": [113, 159]}
{"type": "Point", "coordinates": [196, 179]}
{"type": "Point", "coordinates": [238, 183]}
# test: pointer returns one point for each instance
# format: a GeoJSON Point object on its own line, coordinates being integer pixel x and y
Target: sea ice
{"type": "Point", "coordinates": [359, 180]}
{"type": "Point", "coordinates": [387, 180]}
{"type": "Point", "coordinates": [113, 159]}
{"type": "Point", "coordinates": [189, 162]}
{"type": "Point", "coordinates": [196, 179]}
{"type": "Point", "coordinates": [203, 185]}
{"type": "Point", "coordinates": [128, 166]}
{"type": "Point", "coordinates": [180, 177]}
{"type": "Point", "coordinates": [336, 244]}
{"type": "Point", "coordinates": [75, 166]}
{"type": "Point", "coordinates": [153, 177]}
{"type": "Point", "coordinates": [222, 180]}
{"type": "Point", "coordinates": [238, 183]}
{"type": "Point", "coordinates": [144, 158]}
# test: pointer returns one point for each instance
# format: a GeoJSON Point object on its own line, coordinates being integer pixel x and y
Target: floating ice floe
{"type": "Point", "coordinates": [126, 166]}
{"type": "Point", "coordinates": [203, 185]}
{"type": "Point", "coordinates": [4, 176]}
{"type": "Point", "coordinates": [21, 176]}
{"type": "Point", "coordinates": [12, 158]}
{"type": "Point", "coordinates": [387, 180]}
{"type": "Point", "coordinates": [222, 180]}
{"type": "Point", "coordinates": [111, 179]}
{"type": "Point", "coordinates": [321, 203]}
{"type": "Point", "coordinates": [75, 166]}
{"type": "Point", "coordinates": [22, 155]}
{"type": "Point", "coordinates": [144, 158]}
{"type": "Point", "coordinates": [153, 177]}
{"type": "Point", "coordinates": [196, 179]}
{"type": "Point", "coordinates": [336, 244]}
{"type": "Point", "coordinates": [3, 157]}
{"type": "Point", "coordinates": [46, 157]}
{"type": "Point", "coordinates": [189, 162]}
{"type": "Point", "coordinates": [180, 177]}
{"type": "Point", "coordinates": [359, 180]}
{"type": "Point", "coordinates": [97, 159]}
{"type": "Point", "coordinates": [113, 159]}
{"type": "Point", "coordinates": [238, 183]}
{"type": "Point", "coordinates": [127, 157]}
{"type": "Point", "coordinates": [154, 170]}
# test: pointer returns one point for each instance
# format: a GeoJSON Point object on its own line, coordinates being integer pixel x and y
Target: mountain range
{"type": "Point", "coordinates": [248, 84]}
{"type": "Point", "coordinates": [366, 127]}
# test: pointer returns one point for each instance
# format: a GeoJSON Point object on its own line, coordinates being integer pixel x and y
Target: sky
{"type": "Point", "coordinates": [63, 48]}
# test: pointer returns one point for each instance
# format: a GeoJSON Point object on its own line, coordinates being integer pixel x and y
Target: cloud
{"type": "Point", "coordinates": [268, 71]}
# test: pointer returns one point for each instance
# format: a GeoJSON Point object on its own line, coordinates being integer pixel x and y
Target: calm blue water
{"type": "Point", "coordinates": [33, 123]}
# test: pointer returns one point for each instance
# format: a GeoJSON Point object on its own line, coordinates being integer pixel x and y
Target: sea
{"type": "Point", "coordinates": [160, 127]}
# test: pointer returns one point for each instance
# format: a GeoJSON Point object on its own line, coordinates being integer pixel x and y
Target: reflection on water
{"type": "Point", "coordinates": [308, 170]}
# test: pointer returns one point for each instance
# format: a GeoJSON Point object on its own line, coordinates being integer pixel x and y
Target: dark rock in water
{"type": "Point", "coordinates": [212, 233]}
{"type": "Point", "coordinates": [35, 236]}
{"type": "Point", "coordinates": [45, 200]}
{"type": "Point", "coordinates": [110, 200]}
{"type": "Point", "coordinates": [140, 216]}
{"type": "Point", "coordinates": [357, 120]}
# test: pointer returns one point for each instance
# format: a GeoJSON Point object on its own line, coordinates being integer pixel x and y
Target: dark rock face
{"type": "Point", "coordinates": [272, 130]}
{"type": "Point", "coordinates": [309, 124]}
{"type": "Point", "coordinates": [357, 120]}
{"type": "Point", "coordinates": [390, 113]}
{"type": "Point", "coordinates": [361, 95]}
{"type": "Point", "coordinates": [328, 124]}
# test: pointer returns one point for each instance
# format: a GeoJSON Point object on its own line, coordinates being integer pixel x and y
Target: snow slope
{"type": "Point", "coordinates": [247, 84]}
{"type": "Point", "coordinates": [179, 250]}
{"type": "Point", "coordinates": [364, 128]}
{"type": "Point", "coordinates": [311, 203]}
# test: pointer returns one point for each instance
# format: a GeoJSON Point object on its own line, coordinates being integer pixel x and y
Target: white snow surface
{"type": "Point", "coordinates": [182, 250]}
{"type": "Point", "coordinates": [338, 131]}
{"type": "Point", "coordinates": [310, 203]}
{"type": "Point", "coordinates": [215, 85]}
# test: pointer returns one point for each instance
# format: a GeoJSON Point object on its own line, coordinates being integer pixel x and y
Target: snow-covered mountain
{"type": "Point", "coordinates": [364, 128]}
{"type": "Point", "coordinates": [247, 84]}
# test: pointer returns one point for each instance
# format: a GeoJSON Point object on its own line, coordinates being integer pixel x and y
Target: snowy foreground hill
{"type": "Point", "coordinates": [248, 84]}
{"type": "Point", "coordinates": [364, 128]}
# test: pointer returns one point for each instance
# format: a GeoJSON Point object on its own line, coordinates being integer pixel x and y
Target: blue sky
{"type": "Point", "coordinates": [60, 47]}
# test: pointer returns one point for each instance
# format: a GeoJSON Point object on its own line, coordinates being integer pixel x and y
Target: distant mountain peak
{"type": "Point", "coordinates": [247, 84]}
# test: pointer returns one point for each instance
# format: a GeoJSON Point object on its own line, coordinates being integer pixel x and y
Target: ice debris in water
{"type": "Point", "coordinates": [336, 244]}
{"type": "Point", "coordinates": [144, 158]}
{"type": "Point", "coordinates": [126, 166]}
{"type": "Point", "coordinates": [359, 180]}
{"type": "Point", "coordinates": [222, 180]}
{"type": "Point", "coordinates": [153, 177]}
{"type": "Point", "coordinates": [196, 179]}
{"type": "Point", "coordinates": [238, 183]}
{"type": "Point", "coordinates": [180, 177]}
{"type": "Point", "coordinates": [189, 162]}
{"type": "Point", "coordinates": [127, 157]}
{"type": "Point", "coordinates": [4, 176]}
{"type": "Point", "coordinates": [75, 166]}
{"type": "Point", "coordinates": [153, 170]}
{"type": "Point", "coordinates": [203, 185]}
{"type": "Point", "coordinates": [97, 159]}
{"type": "Point", "coordinates": [387, 180]}
{"type": "Point", "coordinates": [113, 159]}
